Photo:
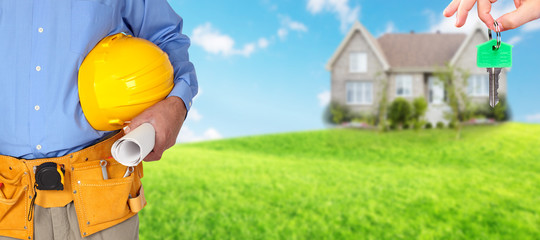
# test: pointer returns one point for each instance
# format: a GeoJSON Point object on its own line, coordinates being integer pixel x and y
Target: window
{"type": "Point", "coordinates": [358, 62]}
{"type": "Point", "coordinates": [478, 85]}
{"type": "Point", "coordinates": [404, 85]}
{"type": "Point", "coordinates": [359, 93]}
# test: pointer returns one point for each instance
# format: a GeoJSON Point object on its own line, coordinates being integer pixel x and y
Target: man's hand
{"type": "Point", "coordinates": [167, 117]}
{"type": "Point", "coordinates": [526, 11]}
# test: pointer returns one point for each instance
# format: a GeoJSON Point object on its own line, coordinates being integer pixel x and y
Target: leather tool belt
{"type": "Point", "coordinates": [104, 191]}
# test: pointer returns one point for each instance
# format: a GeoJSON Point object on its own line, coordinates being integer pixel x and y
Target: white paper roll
{"type": "Point", "coordinates": [131, 149]}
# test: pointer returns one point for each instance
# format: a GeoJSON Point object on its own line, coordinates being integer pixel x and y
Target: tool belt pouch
{"type": "Point", "coordinates": [102, 202]}
{"type": "Point", "coordinates": [14, 200]}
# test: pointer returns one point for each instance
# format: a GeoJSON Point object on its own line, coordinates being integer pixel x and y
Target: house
{"type": "Point", "coordinates": [408, 62]}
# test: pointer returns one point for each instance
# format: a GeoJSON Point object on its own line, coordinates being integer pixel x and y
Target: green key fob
{"type": "Point", "coordinates": [488, 56]}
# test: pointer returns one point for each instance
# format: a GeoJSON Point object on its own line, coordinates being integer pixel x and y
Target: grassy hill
{"type": "Point", "coordinates": [350, 184]}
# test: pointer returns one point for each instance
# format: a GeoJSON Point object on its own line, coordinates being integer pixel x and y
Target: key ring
{"type": "Point", "coordinates": [498, 32]}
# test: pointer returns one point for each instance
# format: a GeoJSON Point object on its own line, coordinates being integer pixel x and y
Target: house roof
{"type": "Point", "coordinates": [370, 40]}
{"type": "Point", "coordinates": [467, 41]}
{"type": "Point", "coordinates": [420, 50]}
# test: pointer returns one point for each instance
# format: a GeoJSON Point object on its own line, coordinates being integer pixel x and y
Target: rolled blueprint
{"type": "Point", "coordinates": [131, 149]}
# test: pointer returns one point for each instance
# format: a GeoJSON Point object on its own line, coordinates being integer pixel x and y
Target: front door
{"type": "Point", "coordinates": [436, 91]}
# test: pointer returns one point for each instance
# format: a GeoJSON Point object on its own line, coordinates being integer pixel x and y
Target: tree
{"type": "Point", "coordinates": [455, 82]}
{"type": "Point", "coordinates": [383, 102]}
{"type": "Point", "coordinates": [419, 108]}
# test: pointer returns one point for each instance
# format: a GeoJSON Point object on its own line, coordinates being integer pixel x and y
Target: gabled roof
{"type": "Point", "coordinates": [478, 27]}
{"type": "Point", "coordinates": [370, 41]}
{"type": "Point", "coordinates": [412, 51]}
{"type": "Point", "coordinates": [420, 50]}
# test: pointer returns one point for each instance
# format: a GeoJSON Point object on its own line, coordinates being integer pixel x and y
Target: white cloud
{"type": "Point", "coordinates": [282, 33]}
{"type": "Point", "coordinates": [214, 42]}
{"type": "Point", "coordinates": [324, 98]}
{"type": "Point", "coordinates": [533, 117]}
{"type": "Point", "coordinates": [194, 115]}
{"type": "Point", "coordinates": [390, 27]}
{"type": "Point", "coordinates": [263, 43]}
{"type": "Point", "coordinates": [515, 40]}
{"type": "Point", "coordinates": [212, 134]}
{"type": "Point", "coordinates": [531, 26]}
{"type": "Point", "coordinates": [188, 135]}
{"type": "Point", "coordinates": [247, 50]}
{"type": "Point", "coordinates": [345, 13]}
{"type": "Point", "coordinates": [287, 25]}
{"type": "Point", "coordinates": [297, 26]}
{"type": "Point", "coordinates": [271, 6]}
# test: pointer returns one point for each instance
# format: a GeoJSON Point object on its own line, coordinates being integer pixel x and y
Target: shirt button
{"type": "Point", "coordinates": [38, 68]}
{"type": "Point", "coordinates": [38, 147]}
{"type": "Point", "coordinates": [40, 30]}
{"type": "Point", "coordinates": [36, 107]}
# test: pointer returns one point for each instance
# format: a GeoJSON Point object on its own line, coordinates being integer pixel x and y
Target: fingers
{"type": "Point", "coordinates": [137, 121]}
{"type": "Point", "coordinates": [517, 3]}
{"type": "Point", "coordinates": [153, 156]}
{"type": "Point", "coordinates": [452, 8]}
{"type": "Point", "coordinates": [463, 10]}
{"type": "Point", "coordinates": [158, 151]}
{"type": "Point", "coordinates": [134, 124]}
{"type": "Point", "coordinates": [484, 13]}
{"type": "Point", "coordinates": [518, 17]}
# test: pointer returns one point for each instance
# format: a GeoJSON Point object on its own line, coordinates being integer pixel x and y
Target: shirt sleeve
{"type": "Point", "coordinates": [157, 22]}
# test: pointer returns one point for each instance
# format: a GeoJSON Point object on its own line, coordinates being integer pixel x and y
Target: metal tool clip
{"type": "Point", "coordinates": [103, 165]}
{"type": "Point", "coordinates": [129, 170]}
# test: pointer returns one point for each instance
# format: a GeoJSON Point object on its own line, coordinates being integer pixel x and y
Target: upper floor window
{"type": "Point", "coordinates": [358, 62]}
{"type": "Point", "coordinates": [404, 85]}
{"type": "Point", "coordinates": [359, 92]}
{"type": "Point", "coordinates": [478, 85]}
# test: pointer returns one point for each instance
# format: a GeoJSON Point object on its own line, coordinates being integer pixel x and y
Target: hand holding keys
{"type": "Point", "coordinates": [494, 55]}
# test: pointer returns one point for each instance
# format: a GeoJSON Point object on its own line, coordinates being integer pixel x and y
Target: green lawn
{"type": "Point", "coordinates": [350, 184]}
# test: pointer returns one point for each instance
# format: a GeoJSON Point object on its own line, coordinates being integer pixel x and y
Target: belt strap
{"type": "Point", "coordinates": [137, 203]}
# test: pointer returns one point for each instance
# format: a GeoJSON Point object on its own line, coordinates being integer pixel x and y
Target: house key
{"type": "Point", "coordinates": [494, 55]}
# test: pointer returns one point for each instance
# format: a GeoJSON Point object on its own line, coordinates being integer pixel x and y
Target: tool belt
{"type": "Point", "coordinates": [103, 191]}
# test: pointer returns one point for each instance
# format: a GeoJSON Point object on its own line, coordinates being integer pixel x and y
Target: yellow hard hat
{"type": "Point", "coordinates": [120, 78]}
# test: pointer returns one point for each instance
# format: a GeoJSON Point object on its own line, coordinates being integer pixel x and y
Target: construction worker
{"type": "Point", "coordinates": [44, 133]}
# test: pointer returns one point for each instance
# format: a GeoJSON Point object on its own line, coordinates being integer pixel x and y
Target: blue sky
{"type": "Point", "coordinates": [261, 63]}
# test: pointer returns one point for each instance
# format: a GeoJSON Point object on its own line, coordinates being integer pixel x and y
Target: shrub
{"type": "Point", "coordinates": [428, 125]}
{"type": "Point", "coordinates": [501, 111]}
{"type": "Point", "coordinates": [418, 125]}
{"type": "Point", "coordinates": [361, 118]}
{"type": "Point", "coordinates": [452, 125]}
{"type": "Point", "coordinates": [419, 108]}
{"type": "Point", "coordinates": [399, 111]}
{"type": "Point", "coordinates": [338, 112]}
{"type": "Point", "coordinates": [440, 125]}
{"type": "Point", "coordinates": [406, 126]}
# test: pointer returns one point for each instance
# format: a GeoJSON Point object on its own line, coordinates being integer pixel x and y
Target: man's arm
{"type": "Point", "coordinates": [156, 21]}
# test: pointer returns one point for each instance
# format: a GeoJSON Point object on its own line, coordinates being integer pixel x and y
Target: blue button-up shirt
{"type": "Point", "coordinates": [42, 44]}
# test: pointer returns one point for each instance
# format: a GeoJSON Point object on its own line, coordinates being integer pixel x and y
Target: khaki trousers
{"type": "Point", "coordinates": [60, 223]}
